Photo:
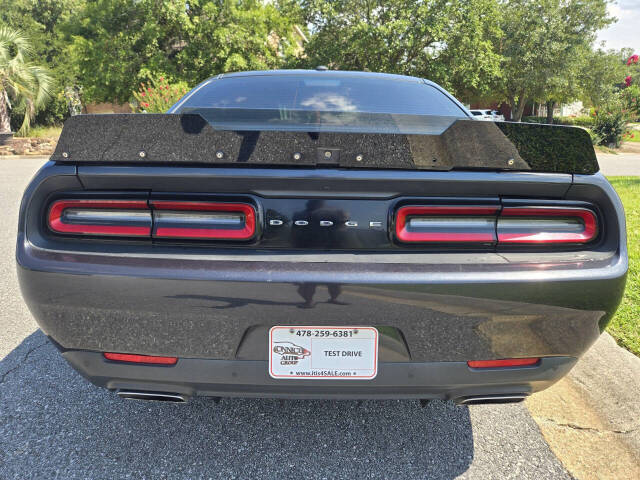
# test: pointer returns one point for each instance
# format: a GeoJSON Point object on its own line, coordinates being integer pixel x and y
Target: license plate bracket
{"type": "Point", "coordinates": [323, 352]}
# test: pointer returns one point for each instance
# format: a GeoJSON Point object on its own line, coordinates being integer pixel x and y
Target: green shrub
{"type": "Point", "coordinates": [631, 101]}
{"type": "Point", "coordinates": [534, 119]}
{"type": "Point", "coordinates": [582, 121]}
{"type": "Point", "coordinates": [156, 96]}
{"type": "Point", "coordinates": [610, 125]}
{"type": "Point", "coordinates": [596, 138]}
{"type": "Point", "coordinates": [54, 113]}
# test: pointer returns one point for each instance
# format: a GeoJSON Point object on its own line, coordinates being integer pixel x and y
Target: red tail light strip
{"type": "Point", "coordinates": [183, 225]}
{"type": "Point", "coordinates": [136, 226]}
{"type": "Point", "coordinates": [580, 225]}
{"type": "Point", "coordinates": [134, 358]}
{"type": "Point", "coordinates": [445, 224]}
{"type": "Point", "coordinates": [507, 362]}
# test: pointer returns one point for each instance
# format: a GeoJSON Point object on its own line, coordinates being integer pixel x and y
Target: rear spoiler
{"type": "Point", "coordinates": [190, 139]}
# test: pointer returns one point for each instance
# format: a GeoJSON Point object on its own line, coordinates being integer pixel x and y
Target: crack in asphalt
{"type": "Point", "coordinates": [575, 426]}
{"type": "Point", "coordinates": [21, 362]}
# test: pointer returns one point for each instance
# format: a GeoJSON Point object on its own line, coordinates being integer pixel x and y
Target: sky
{"type": "Point", "coordinates": [626, 31]}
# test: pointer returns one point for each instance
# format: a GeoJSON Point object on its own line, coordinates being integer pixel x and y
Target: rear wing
{"type": "Point", "coordinates": [452, 144]}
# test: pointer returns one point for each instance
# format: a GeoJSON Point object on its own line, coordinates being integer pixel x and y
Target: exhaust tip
{"type": "Point", "coordinates": [491, 399]}
{"type": "Point", "coordinates": [152, 396]}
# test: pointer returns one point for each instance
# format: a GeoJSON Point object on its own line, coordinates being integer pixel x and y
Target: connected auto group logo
{"type": "Point", "coordinates": [290, 353]}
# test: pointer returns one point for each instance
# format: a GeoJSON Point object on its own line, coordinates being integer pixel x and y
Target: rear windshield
{"type": "Point", "coordinates": [336, 94]}
{"type": "Point", "coordinates": [323, 103]}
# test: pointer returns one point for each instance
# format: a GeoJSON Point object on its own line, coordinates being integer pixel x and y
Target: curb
{"type": "Point", "coordinates": [591, 418]}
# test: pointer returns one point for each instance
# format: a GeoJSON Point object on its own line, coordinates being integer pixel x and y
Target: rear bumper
{"type": "Point", "coordinates": [218, 327]}
{"type": "Point", "coordinates": [222, 309]}
{"type": "Point", "coordinates": [423, 380]}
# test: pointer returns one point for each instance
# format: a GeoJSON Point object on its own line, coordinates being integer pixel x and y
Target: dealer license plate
{"type": "Point", "coordinates": [345, 353]}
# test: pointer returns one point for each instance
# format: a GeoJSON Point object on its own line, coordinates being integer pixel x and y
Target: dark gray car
{"type": "Point", "coordinates": [321, 234]}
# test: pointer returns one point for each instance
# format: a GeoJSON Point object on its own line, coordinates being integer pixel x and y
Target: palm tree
{"type": "Point", "coordinates": [25, 84]}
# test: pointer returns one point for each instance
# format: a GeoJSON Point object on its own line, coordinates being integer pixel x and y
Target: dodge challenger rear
{"type": "Point", "coordinates": [319, 234]}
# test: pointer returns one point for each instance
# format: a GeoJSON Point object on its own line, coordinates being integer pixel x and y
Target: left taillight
{"type": "Point", "coordinates": [126, 218]}
{"type": "Point", "coordinates": [161, 219]}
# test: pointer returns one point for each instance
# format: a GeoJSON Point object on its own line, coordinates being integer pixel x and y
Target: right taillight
{"type": "Point", "coordinates": [546, 225]}
{"type": "Point", "coordinates": [495, 225]}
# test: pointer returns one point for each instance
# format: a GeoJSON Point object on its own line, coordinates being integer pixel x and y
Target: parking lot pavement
{"type": "Point", "coordinates": [54, 424]}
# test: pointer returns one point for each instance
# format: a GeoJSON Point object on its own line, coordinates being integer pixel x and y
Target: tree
{"type": "Point", "coordinates": [22, 83]}
{"type": "Point", "coordinates": [448, 41]}
{"type": "Point", "coordinates": [113, 41]}
{"type": "Point", "coordinates": [600, 76]}
{"type": "Point", "coordinates": [540, 42]}
{"type": "Point", "coordinates": [565, 86]}
{"type": "Point", "coordinates": [117, 44]}
{"type": "Point", "coordinates": [45, 23]}
{"type": "Point", "coordinates": [231, 36]}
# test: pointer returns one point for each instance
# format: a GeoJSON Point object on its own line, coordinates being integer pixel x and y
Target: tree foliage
{"type": "Point", "coordinates": [448, 41]}
{"type": "Point", "coordinates": [23, 84]}
{"type": "Point", "coordinates": [129, 42]}
{"type": "Point", "coordinates": [600, 75]}
{"type": "Point", "coordinates": [230, 36]}
{"type": "Point", "coordinates": [543, 40]}
{"type": "Point", "coordinates": [44, 22]}
{"type": "Point", "coordinates": [488, 50]}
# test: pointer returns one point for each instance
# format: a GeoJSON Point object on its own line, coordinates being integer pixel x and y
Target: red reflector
{"type": "Point", "coordinates": [443, 224]}
{"type": "Point", "coordinates": [507, 362]}
{"type": "Point", "coordinates": [186, 223]}
{"type": "Point", "coordinates": [546, 225]}
{"type": "Point", "coordinates": [132, 358]}
{"type": "Point", "coordinates": [101, 217]}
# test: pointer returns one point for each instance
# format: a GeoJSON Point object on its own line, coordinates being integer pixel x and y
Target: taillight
{"type": "Point", "coordinates": [130, 218]}
{"type": "Point", "coordinates": [422, 224]}
{"type": "Point", "coordinates": [445, 224]}
{"type": "Point", "coordinates": [163, 219]}
{"type": "Point", "coordinates": [546, 225]}
{"type": "Point", "coordinates": [203, 220]}
{"type": "Point", "coordinates": [506, 362]}
{"type": "Point", "coordinates": [135, 358]}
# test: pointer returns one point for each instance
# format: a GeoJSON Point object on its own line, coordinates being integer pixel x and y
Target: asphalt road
{"type": "Point", "coordinates": [54, 424]}
{"type": "Point", "coordinates": [619, 165]}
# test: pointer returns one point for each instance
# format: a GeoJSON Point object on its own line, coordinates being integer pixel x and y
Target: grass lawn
{"type": "Point", "coordinates": [625, 326]}
{"type": "Point", "coordinates": [44, 132]}
{"type": "Point", "coordinates": [603, 149]}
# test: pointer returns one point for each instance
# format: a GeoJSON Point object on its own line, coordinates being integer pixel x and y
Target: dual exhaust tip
{"type": "Point", "coordinates": [180, 398]}
{"type": "Point", "coordinates": [152, 396]}
{"type": "Point", "coordinates": [491, 399]}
